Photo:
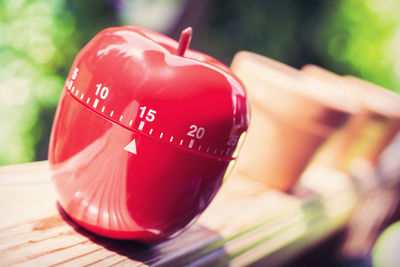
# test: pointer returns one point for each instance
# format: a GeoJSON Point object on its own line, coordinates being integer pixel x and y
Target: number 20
{"type": "Point", "coordinates": [196, 131]}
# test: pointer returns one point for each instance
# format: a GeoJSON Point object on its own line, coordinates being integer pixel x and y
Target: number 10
{"type": "Point", "coordinates": [102, 90]}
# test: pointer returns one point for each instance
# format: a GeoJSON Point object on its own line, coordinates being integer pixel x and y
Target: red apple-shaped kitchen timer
{"type": "Point", "coordinates": [144, 133]}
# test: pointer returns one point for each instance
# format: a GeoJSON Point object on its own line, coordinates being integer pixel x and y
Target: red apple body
{"type": "Point", "coordinates": [143, 137]}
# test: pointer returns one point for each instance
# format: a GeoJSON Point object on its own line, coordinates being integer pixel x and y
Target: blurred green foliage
{"type": "Point", "coordinates": [356, 37]}
{"type": "Point", "coordinates": [39, 40]}
{"type": "Point", "coordinates": [35, 46]}
{"type": "Point", "coordinates": [362, 37]}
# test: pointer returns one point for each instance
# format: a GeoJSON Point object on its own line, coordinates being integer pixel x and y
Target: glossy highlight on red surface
{"type": "Point", "coordinates": [143, 137]}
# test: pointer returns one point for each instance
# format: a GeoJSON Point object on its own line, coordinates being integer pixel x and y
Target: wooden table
{"type": "Point", "coordinates": [244, 224]}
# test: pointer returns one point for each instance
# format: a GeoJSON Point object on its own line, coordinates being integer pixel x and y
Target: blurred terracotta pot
{"type": "Point", "coordinates": [289, 120]}
{"type": "Point", "coordinates": [368, 132]}
{"type": "Point", "coordinates": [387, 103]}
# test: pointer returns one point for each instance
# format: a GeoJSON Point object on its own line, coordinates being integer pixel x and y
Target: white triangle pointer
{"type": "Point", "coordinates": [131, 147]}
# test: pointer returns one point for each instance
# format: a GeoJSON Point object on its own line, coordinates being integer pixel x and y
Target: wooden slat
{"type": "Point", "coordinates": [245, 223]}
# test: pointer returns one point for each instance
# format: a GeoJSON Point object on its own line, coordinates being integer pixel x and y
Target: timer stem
{"type": "Point", "coordinates": [184, 41]}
